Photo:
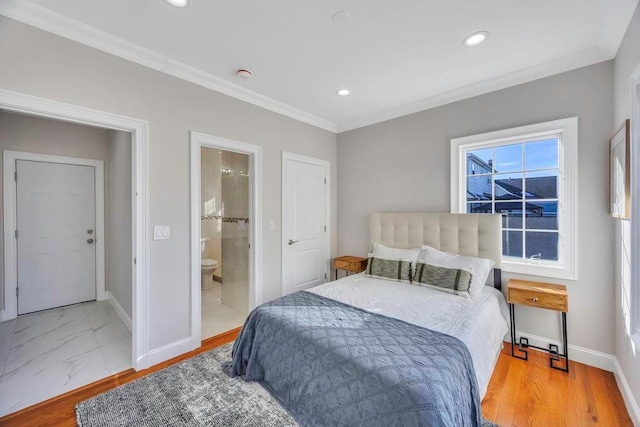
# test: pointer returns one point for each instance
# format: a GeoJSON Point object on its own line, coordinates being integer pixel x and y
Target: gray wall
{"type": "Point", "coordinates": [403, 165]}
{"type": "Point", "coordinates": [49, 66]}
{"type": "Point", "coordinates": [627, 60]}
{"type": "Point", "coordinates": [43, 136]}
{"type": "Point", "coordinates": [119, 226]}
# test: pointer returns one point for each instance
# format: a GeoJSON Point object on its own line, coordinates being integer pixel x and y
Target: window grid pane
{"type": "Point", "coordinates": [522, 184]}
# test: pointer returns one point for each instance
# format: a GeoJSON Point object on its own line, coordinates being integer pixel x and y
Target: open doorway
{"type": "Point", "coordinates": [69, 239]}
{"type": "Point", "coordinates": [225, 234]}
{"type": "Point", "coordinates": [224, 239]}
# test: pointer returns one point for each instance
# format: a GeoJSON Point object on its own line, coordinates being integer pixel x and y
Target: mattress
{"type": "Point", "coordinates": [480, 323]}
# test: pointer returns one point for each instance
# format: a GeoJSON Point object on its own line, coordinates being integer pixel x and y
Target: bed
{"type": "Point", "coordinates": [370, 351]}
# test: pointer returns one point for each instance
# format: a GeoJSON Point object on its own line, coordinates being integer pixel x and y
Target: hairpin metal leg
{"type": "Point", "coordinates": [523, 343]}
{"type": "Point", "coordinates": [554, 356]}
{"type": "Point", "coordinates": [554, 353]}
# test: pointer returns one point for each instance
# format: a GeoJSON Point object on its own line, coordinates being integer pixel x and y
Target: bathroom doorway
{"type": "Point", "coordinates": [224, 240]}
{"type": "Point", "coordinates": [225, 180]}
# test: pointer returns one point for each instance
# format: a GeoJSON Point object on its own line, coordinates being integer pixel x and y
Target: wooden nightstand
{"type": "Point", "coordinates": [542, 295]}
{"type": "Point", "coordinates": [351, 264]}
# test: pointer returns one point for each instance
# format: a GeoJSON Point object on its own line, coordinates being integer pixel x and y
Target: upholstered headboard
{"type": "Point", "coordinates": [465, 234]}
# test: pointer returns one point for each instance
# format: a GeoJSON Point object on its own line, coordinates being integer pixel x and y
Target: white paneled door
{"type": "Point", "coordinates": [305, 221]}
{"type": "Point", "coordinates": [56, 221]}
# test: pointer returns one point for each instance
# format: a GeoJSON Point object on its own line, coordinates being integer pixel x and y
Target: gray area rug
{"type": "Point", "coordinates": [192, 393]}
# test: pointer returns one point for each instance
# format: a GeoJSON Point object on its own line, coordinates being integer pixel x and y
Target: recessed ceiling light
{"type": "Point", "coordinates": [178, 3]}
{"type": "Point", "coordinates": [341, 17]}
{"type": "Point", "coordinates": [475, 39]}
{"type": "Point", "coordinates": [343, 92]}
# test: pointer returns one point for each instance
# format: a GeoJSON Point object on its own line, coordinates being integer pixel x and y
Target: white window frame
{"type": "Point", "coordinates": [567, 132]}
{"type": "Point", "coordinates": [635, 207]}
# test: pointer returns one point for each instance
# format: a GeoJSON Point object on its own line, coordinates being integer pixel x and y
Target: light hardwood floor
{"type": "Point", "coordinates": [520, 394]}
{"type": "Point", "coordinates": [529, 393]}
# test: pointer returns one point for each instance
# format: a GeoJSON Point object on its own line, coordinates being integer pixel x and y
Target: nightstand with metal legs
{"type": "Point", "coordinates": [542, 295]}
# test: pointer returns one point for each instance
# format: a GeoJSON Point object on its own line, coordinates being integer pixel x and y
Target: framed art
{"type": "Point", "coordinates": [620, 172]}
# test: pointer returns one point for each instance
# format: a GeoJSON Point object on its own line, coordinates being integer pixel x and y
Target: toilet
{"type": "Point", "coordinates": [207, 266]}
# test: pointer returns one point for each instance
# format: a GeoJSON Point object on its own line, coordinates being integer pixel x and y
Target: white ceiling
{"type": "Point", "coordinates": [396, 57]}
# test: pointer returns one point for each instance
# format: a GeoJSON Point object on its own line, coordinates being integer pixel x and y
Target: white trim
{"type": "Point", "coordinates": [41, 107]}
{"type": "Point", "coordinates": [635, 206]}
{"type": "Point", "coordinates": [122, 314]}
{"type": "Point", "coordinates": [327, 166]}
{"type": "Point", "coordinates": [568, 195]}
{"type": "Point", "coordinates": [199, 140]}
{"type": "Point", "coordinates": [45, 19]}
{"type": "Point", "coordinates": [632, 405]}
{"type": "Point", "coordinates": [10, 222]}
{"type": "Point", "coordinates": [169, 351]}
{"type": "Point", "coordinates": [576, 353]}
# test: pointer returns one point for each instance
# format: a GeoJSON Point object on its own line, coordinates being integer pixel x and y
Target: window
{"type": "Point", "coordinates": [527, 175]}
{"type": "Point", "coordinates": [635, 209]}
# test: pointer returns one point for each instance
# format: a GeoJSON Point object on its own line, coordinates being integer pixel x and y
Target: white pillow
{"type": "Point", "coordinates": [478, 267]}
{"type": "Point", "coordinates": [385, 252]}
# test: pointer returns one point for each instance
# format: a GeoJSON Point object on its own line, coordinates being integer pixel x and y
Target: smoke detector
{"type": "Point", "coordinates": [244, 74]}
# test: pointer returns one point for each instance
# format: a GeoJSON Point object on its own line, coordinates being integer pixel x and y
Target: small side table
{"type": "Point", "coordinates": [349, 264]}
{"type": "Point", "coordinates": [542, 295]}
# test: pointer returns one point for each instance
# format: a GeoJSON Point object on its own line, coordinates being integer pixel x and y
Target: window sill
{"type": "Point", "coordinates": [538, 270]}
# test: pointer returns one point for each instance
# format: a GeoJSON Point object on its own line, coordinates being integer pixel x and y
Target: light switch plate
{"type": "Point", "coordinates": [161, 232]}
{"type": "Point", "coordinates": [272, 225]}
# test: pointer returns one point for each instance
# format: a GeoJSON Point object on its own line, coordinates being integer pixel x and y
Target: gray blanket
{"type": "Point", "coordinates": [331, 364]}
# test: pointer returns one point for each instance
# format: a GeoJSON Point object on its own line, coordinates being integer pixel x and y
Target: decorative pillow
{"type": "Point", "coordinates": [453, 280]}
{"type": "Point", "coordinates": [398, 270]}
{"type": "Point", "coordinates": [382, 252]}
{"type": "Point", "coordinates": [478, 267]}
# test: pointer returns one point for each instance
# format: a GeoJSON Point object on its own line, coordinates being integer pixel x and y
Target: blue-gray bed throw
{"type": "Point", "coordinates": [331, 364]}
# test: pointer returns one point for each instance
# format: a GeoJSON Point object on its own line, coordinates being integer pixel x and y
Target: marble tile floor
{"type": "Point", "coordinates": [217, 317]}
{"type": "Point", "coordinates": [51, 352]}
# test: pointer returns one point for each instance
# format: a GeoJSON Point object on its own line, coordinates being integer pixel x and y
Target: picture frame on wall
{"type": "Point", "coordinates": [620, 172]}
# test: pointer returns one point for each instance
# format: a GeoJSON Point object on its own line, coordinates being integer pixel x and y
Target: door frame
{"type": "Point", "coordinates": [327, 166]}
{"type": "Point", "coordinates": [139, 129]}
{"type": "Point", "coordinates": [198, 141]}
{"type": "Point", "coordinates": [10, 219]}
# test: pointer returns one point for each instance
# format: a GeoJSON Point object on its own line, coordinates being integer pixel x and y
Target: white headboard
{"type": "Point", "coordinates": [477, 235]}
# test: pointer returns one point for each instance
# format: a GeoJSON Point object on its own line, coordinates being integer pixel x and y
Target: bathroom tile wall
{"type": "Point", "coordinates": [235, 234]}
{"type": "Point", "coordinates": [210, 167]}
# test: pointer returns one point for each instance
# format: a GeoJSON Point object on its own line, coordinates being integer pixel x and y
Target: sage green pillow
{"type": "Point", "coordinates": [452, 280]}
{"type": "Point", "coordinates": [398, 270]}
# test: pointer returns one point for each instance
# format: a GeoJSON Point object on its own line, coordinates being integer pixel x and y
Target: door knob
{"type": "Point", "coordinates": [90, 241]}
{"type": "Point", "coordinates": [89, 231]}
{"type": "Point", "coordinates": [291, 242]}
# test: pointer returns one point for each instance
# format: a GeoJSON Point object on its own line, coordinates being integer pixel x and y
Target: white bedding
{"type": "Point", "coordinates": [481, 323]}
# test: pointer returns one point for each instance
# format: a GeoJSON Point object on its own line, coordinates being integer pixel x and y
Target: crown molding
{"type": "Point", "coordinates": [44, 19]}
{"type": "Point", "coordinates": [547, 69]}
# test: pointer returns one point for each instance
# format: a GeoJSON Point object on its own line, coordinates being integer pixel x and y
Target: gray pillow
{"type": "Point", "coordinates": [452, 280]}
{"type": "Point", "coordinates": [397, 270]}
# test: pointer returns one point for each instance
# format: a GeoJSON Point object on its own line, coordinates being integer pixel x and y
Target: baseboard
{"type": "Point", "coordinates": [629, 400]}
{"type": "Point", "coordinates": [169, 351]}
{"type": "Point", "coordinates": [118, 308]}
{"type": "Point", "coordinates": [576, 353]}
{"type": "Point", "coordinates": [2, 316]}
